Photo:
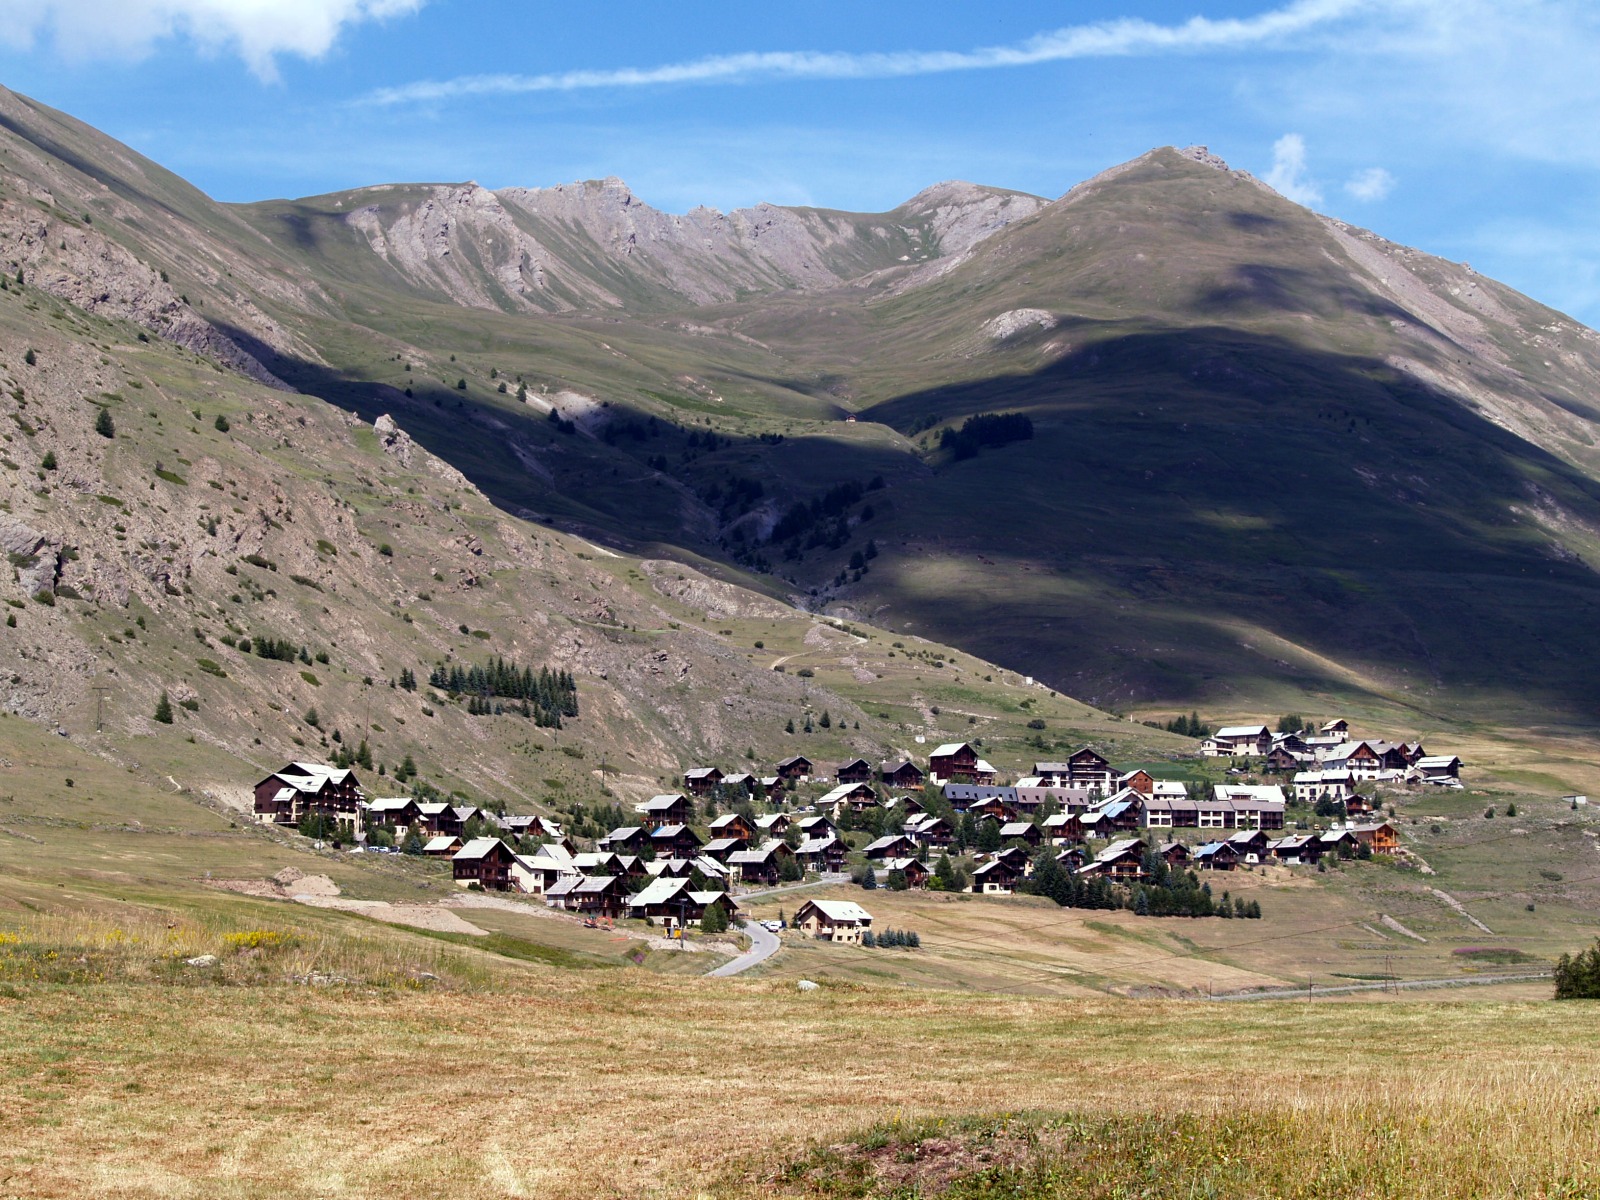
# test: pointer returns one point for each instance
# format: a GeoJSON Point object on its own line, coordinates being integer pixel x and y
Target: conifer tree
{"type": "Point", "coordinates": [163, 712]}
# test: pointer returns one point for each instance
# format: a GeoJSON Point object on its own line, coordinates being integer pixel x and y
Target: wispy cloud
{"type": "Point", "coordinates": [1105, 39]}
{"type": "Point", "coordinates": [1374, 183]}
{"type": "Point", "coordinates": [1288, 175]}
{"type": "Point", "coordinates": [257, 30]}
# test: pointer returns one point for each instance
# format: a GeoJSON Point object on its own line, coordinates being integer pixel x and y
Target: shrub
{"type": "Point", "coordinates": [715, 920]}
{"type": "Point", "coordinates": [48, 462]}
{"type": "Point", "coordinates": [104, 425]}
{"type": "Point", "coordinates": [1578, 976]}
{"type": "Point", "coordinates": [221, 424]}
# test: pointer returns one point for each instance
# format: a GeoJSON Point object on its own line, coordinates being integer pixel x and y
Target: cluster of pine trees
{"type": "Point", "coordinates": [1164, 892]}
{"type": "Point", "coordinates": [281, 649]}
{"type": "Point", "coordinates": [1578, 975]}
{"type": "Point", "coordinates": [1190, 726]}
{"type": "Point", "coordinates": [887, 937]}
{"type": "Point", "coordinates": [986, 429]}
{"type": "Point", "coordinates": [546, 697]}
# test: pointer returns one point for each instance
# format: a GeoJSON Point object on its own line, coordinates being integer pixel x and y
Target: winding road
{"type": "Point", "coordinates": [763, 945]}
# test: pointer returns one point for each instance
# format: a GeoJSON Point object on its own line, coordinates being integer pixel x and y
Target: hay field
{"type": "Point", "coordinates": [583, 1084]}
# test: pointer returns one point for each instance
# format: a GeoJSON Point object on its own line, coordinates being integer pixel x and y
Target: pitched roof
{"type": "Point", "coordinates": [1015, 829]}
{"type": "Point", "coordinates": [438, 845]}
{"type": "Point", "coordinates": [661, 803]}
{"type": "Point", "coordinates": [884, 842]}
{"type": "Point", "coordinates": [948, 749]}
{"type": "Point", "coordinates": [1241, 731]}
{"type": "Point", "coordinates": [842, 911]}
{"type": "Point", "coordinates": [479, 848]}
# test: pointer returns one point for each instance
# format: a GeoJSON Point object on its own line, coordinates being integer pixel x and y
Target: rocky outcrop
{"type": "Point", "coordinates": [76, 263]}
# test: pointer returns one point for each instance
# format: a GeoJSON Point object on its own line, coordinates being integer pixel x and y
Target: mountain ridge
{"type": "Point", "coordinates": [581, 357]}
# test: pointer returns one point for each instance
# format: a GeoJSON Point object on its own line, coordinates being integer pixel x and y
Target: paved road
{"type": "Point", "coordinates": [830, 880]}
{"type": "Point", "coordinates": [763, 945]}
{"type": "Point", "coordinates": [1407, 984]}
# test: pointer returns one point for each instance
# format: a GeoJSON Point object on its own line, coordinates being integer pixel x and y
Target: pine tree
{"type": "Point", "coordinates": [163, 712]}
{"type": "Point", "coordinates": [413, 843]}
{"type": "Point", "coordinates": [827, 721]}
{"type": "Point", "coordinates": [104, 425]}
{"type": "Point", "coordinates": [714, 920]}
{"type": "Point", "coordinates": [789, 726]}
{"type": "Point", "coordinates": [869, 881]}
{"type": "Point", "coordinates": [988, 836]}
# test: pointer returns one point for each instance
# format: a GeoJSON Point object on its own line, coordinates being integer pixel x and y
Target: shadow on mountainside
{"type": "Point", "coordinates": [1185, 494]}
{"type": "Point", "coordinates": [1194, 483]}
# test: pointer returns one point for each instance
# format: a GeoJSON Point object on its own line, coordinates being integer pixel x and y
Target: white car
{"type": "Point", "coordinates": [772, 926]}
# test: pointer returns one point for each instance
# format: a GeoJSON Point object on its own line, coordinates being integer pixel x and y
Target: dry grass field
{"type": "Point", "coordinates": [560, 1084]}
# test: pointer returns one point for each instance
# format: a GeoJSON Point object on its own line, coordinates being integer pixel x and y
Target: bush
{"type": "Point", "coordinates": [221, 424]}
{"type": "Point", "coordinates": [48, 462]}
{"type": "Point", "coordinates": [104, 425]}
{"type": "Point", "coordinates": [715, 920]}
{"type": "Point", "coordinates": [1578, 976]}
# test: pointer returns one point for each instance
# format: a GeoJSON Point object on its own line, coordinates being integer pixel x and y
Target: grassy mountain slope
{"type": "Point", "coordinates": [1273, 455]}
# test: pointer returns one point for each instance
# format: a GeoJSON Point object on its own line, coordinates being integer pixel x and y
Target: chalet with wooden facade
{"type": "Point", "coordinates": [957, 762]}
{"type": "Point", "coordinates": [833, 921]}
{"type": "Point", "coordinates": [893, 845]}
{"type": "Point", "coordinates": [731, 825]}
{"type": "Point", "coordinates": [673, 899]}
{"type": "Point", "coordinates": [299, 790]}
{"type": "Point", "coordinates": [821, 854]}
{"type": "Point", "coordinates": [672, 809]}
{"type": "Point", "coordinates": [701, 781]}
{"type": "Point", "coordinates": [675, 841]}
{"type": "Point", "coordinates": [856, 797]}
{"type": "Point", "coordinates": [997, 877]}
{"type": "Point", "coordinates": [1122, 860]}
{"type": "Point", "coordinates": [915, 871]}
{"type": "Point", "coordinates": [796, 769]}
{"type": "Point", "coordinates": [1380, 837]}
{"type": "Point", "coordinates": [1025, 832]}
{"type": "Point", "coordinates": [741, 781]}
{"type": "Point", "coordinates": [485, 862]}
{"type": "Point", "coordinates": [761, 865]}
{"type": "Point", "coordinates": [1216, 856]}
{"type": "Point", "coordinates": [902, 774]}
{"type": "Point", "coordinates": [443, 846]}
{"type": "Point", "coordinates": [857, 770]}
{"type": "Point", "coordinates": [775, 825]}
{"type": "Point", "coordinates": [629, 839]}
{"type": "Point", "coordinates": [962, 796]}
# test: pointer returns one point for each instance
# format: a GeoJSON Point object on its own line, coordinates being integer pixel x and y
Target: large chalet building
{"type": "Point", "coordinates": [299, 790]}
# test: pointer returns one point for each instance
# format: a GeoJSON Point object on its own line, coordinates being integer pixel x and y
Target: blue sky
{"type": "Point", "coordinates": [1465, 127]}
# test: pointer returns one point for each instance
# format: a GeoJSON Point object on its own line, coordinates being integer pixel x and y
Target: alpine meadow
{"type": "Point", "coordinates": [518, 692]}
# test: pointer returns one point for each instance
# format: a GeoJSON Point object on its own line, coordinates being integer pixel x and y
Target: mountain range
{"type": "Point", "coordinates": [1269, 460]}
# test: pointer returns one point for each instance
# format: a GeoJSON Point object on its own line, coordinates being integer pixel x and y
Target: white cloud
{"type": "Point", "coordinates": [1288, 174]}
{"type": "Point", "coordinates": [1374, 183]}
{"type": "Point", "coordinates": [1104, 39]}
{"type": "Point", "coordinates": [257, 30]}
